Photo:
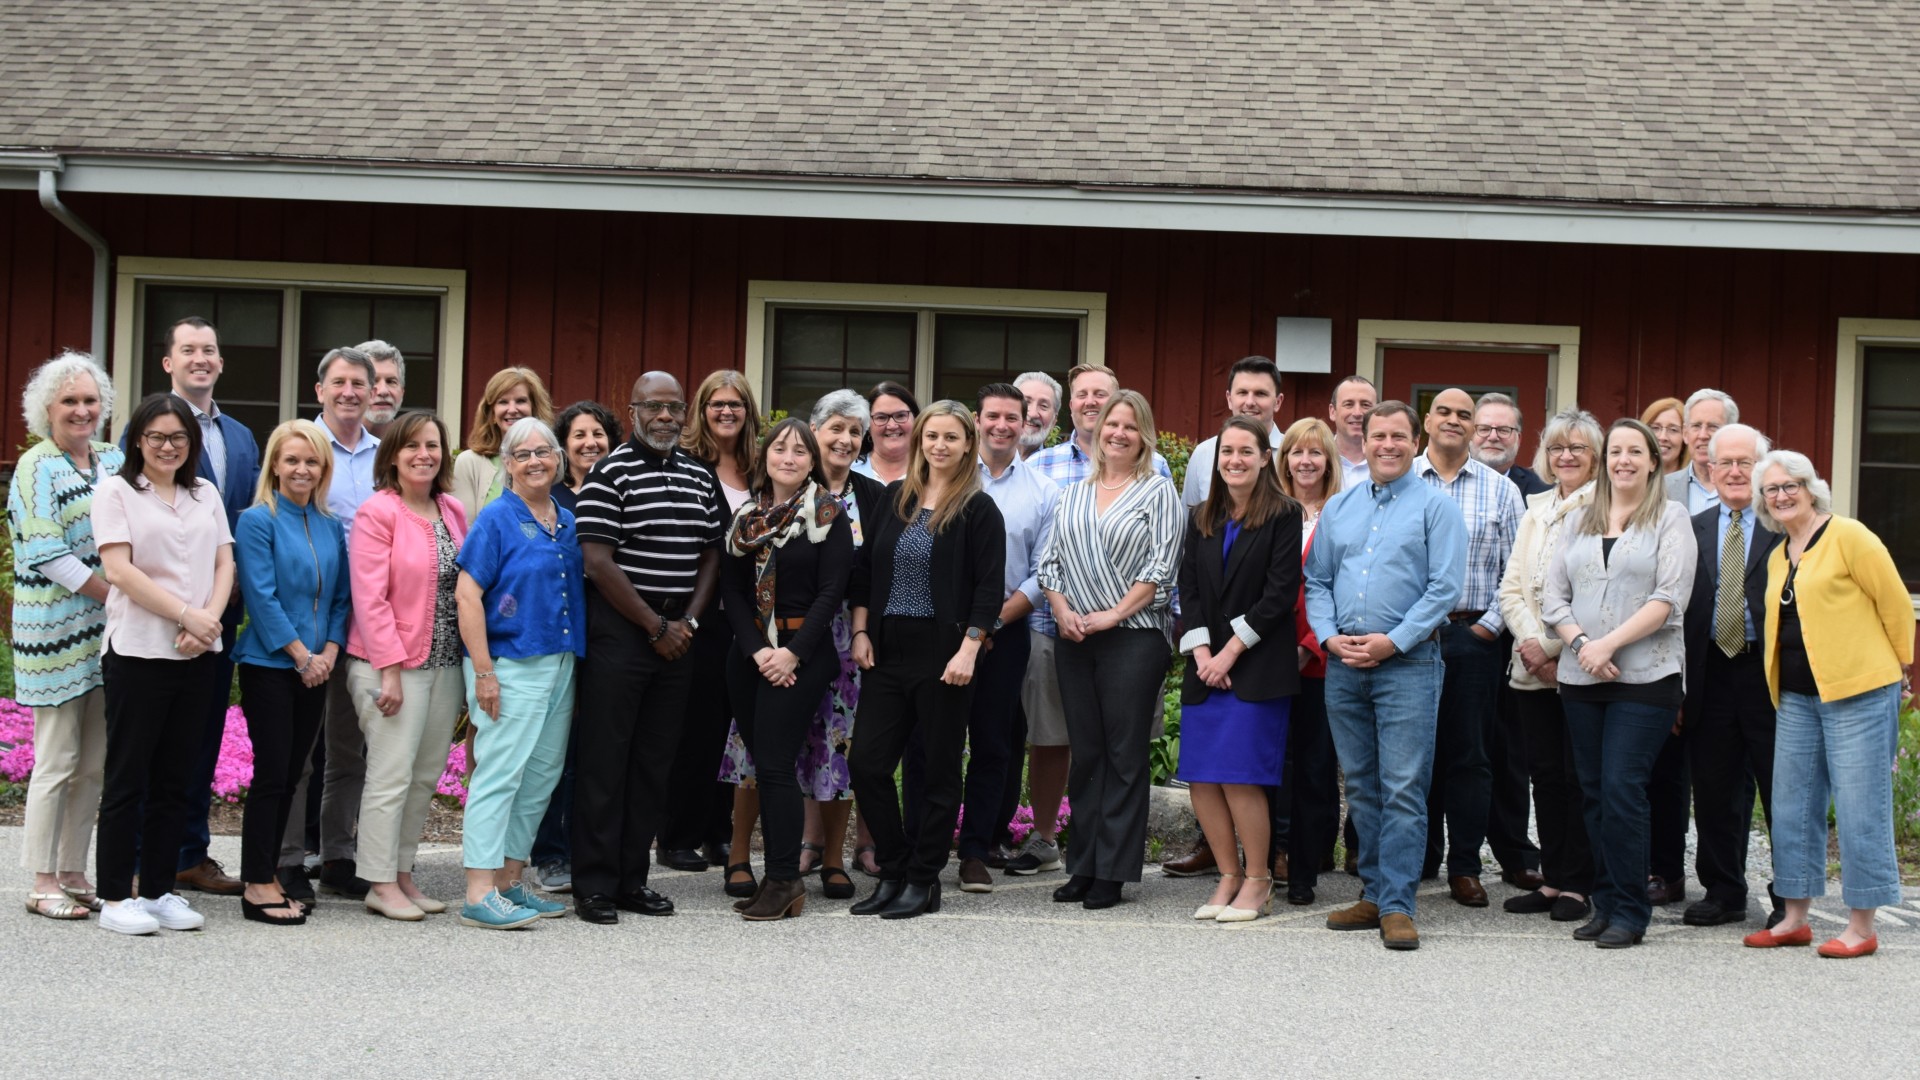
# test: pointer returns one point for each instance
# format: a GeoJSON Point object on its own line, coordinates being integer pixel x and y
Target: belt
{"type": "Point", "coordinates": [1466, 616]}
{"type": "Point", "coordinates": [792, 623]}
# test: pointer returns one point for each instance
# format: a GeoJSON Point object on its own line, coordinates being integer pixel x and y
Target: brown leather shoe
{"type": "Point", "coordinates": [1280, 868]}
{"type": "Point", "coordinates": [1361, 916]}
{"type": "Point", "coordinates": [1661, 891]}
{"type": "Point", "coordinates": [1196, 862]}
{"type": "Point", "coordinates": [1523, 878]}
{"type": "Point", "coordinates": [1397, 931]}
{"type": "Point", "coordinates": [208, 877]}
{"type": "Point", "coordinates": [1467, 891]}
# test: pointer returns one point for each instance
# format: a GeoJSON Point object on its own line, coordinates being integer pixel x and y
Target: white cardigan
{"type": "Point", "coordinates": [1524, 585]}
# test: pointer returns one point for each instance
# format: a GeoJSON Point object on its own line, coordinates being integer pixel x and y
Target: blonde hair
{"type": "Point", "coordinates": [698, 438]}
{"type": "Point", "coordinates": [1653, 502]}
{"type": "Point", "coordinates": [483, 437]}
{"type": "Point", "coordinates": [1652, 413]}
{"type": "Point", "coordinates": [920, 471]}
{"type": "Point", "coordinates": [267, 491]}
{"type": "Point", "coordinates": [1142, 418]}
{"type": "Point", "coordinates": [1312, 429]}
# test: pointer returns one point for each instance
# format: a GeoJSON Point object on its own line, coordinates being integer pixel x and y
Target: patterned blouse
{"type": "Point", "coordinates": [445, 651]}
{"type": "Point", "coordinates": [56, 632]}
{"type": "Point", "coordinates": [912, 593]}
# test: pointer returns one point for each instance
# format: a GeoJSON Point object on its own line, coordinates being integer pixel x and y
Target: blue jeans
{"type": "Point", "coordinates": [1614, 746]}
{"type": "Point", "coordinates": [1845, 749]}
{"type": "Point", "coordinates": [1383, 721]}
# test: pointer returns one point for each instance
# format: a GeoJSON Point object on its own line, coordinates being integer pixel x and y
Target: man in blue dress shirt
{"type": "Point", "coordinates": [1384, 571]}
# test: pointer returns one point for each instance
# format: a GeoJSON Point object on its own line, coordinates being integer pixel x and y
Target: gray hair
{"type": "Point", "coordinates": [1495, 397]}
{"type": "Point", "coordinates": [51, 377]}
{"type": "Point", "coordinates": [1761, 444]}
{"type": "Point", "coordinates": [845, 403]}
{"type": "Point", "coordinates": [351, 356]}
{"type": "Point", "coordinates": [524, 429]}
{"type": "Point", "coordinates": [1721, 396]}
{"type": "Point", "coordinates": [378, 350]}
{"type": "Point", "coordinates": [1052, 384]}
{"type": "Point", "coordinates": [1572, 422]}
{"type": "Point", "coordinates": [1798, 467]}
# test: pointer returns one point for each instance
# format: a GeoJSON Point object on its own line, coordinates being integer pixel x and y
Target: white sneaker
{"type": "Point", "coordinates": [129, 916]}
{"type": "Point", "coordinates": [174, 913]}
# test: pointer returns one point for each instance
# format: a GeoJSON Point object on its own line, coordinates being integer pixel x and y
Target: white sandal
{"type": "Point", "coordinates": [86, 897]}
{"type": "Point", "coordinates": [61, 907]}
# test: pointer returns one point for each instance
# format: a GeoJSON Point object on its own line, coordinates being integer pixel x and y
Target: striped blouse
{"type": "Point", "coordinates": [1093, 558]}
{"type": "Point", "coordinates": [56, 632]}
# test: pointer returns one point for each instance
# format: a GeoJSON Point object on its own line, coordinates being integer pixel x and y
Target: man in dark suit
{"type": "Point", "coordinates": [1729, 713]}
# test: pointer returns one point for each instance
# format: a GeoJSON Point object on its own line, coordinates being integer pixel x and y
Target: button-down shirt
{"type": "Point", "coordinates": [1200, 467]}
{"type": "Point", "coordinates": [1026, 499]}
{"type": "Point", "coordinates": [1491, 507]}
{"type": "Point", "coordinates": [531, 580]}
{"type": "Point", "coordinates": [352, 481]}
{"type": "Point", "coordinates": [1386, 559]}
{"type": "Point", "coordinates": [1066, 464]}
{"type": "Point", "coordinates": [1699, 496]}
{"type": "Point", "coordinates": [1354, 474]}
{"type": "Point", "coordinates": [213, 440]}
{"type": "Point", "coordinates": [1750, 526]}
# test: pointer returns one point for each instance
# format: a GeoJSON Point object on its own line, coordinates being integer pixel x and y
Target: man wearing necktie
{"type": "Point", "coordinates": [1729, 715]}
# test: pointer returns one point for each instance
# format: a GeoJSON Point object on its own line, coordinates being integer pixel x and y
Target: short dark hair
{"type": "Point", "coordinates": [386, 470]}
{"type": "Point", "coordinates": [149, 410]}
{"type": "Point", "coordinates": [1000, 390]}
{"type": "Point", "coordinates": [194, 321]}
{"type": "Point", "coordinates": [890, 389]}
{"type": "Point", "coordinates": [1254, 365]}
{"type": "Point", "coordinates": [1392, 408]}
{"type": "Point", "coordinates": [1356, 377]}
{"type": "Point", "coordinates": [758, 481]}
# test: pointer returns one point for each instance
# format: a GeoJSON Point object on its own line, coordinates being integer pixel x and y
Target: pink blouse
{"type": "Point", "coordinates": [174, 544]}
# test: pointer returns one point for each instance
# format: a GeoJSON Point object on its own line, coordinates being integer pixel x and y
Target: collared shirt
{"type": "Point", "coordinates": [1750, 525]}
{"type": "Point", "coordinates": [352, 480]}
{"type": "Point", "coordinates": [1386, 559]}
{"type": "Point", "coordinates": [1066, 464]}
{"type": "Point", "coordinates": [175, 544]}
{"type": "Point", "coordinates": [1027, 500]}
{"type": "Point", "coordinates": [532, 582]}
{"type": "Point", "coordinates": [1699, 496]}
{"type": "Point", "coordinates": [1200, 467]}
{"type": "Point", "coordinates": [1491, 507]}
{"type": "Point", "coordinates": [212, 440]}
{"type": "Point", "coordinates": [1095, 558]}
{"type": "Point", "coordinates": [1354, 474]}
{"type": "Point", "coordinates": [657, 512]}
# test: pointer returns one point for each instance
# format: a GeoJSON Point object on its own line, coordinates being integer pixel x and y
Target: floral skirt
{"type": "Point", "coordinates": [822, 766]}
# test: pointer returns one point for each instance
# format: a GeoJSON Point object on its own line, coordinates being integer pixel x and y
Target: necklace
{"type": "Point", "coordinates": [1104, 486]}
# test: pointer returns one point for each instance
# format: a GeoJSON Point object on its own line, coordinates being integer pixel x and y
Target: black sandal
{"type": "Point", "coordinates": [820, 854]}
{"type": "Point", "coordinates": [836, 890]}
{"type": "Point", "coordinates": [253, 912]}
{"type": "Point", "coordinates": [741, 889]}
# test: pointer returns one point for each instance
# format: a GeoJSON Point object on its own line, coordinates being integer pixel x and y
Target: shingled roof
{"type": "Point", "coordinates": [1784, 103]}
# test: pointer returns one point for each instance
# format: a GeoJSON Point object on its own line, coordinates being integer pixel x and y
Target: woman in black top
{"type": "Point", "coordinates": [935, 575]}
{"type": "Point", "coordinates": [792, 553]}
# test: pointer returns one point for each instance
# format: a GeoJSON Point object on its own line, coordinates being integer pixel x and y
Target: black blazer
{"type": "Point", "coordinates": [1260, 581]}
{"type": "Point", "coordinates": [1698, 625]}
{"type": "Point", "coordinates": [969, 574]}
{"type": "Point", "coordinates": [810, 580]}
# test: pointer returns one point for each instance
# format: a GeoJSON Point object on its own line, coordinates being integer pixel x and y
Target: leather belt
{"type": "Point", "coordinates": [1466, 616]}
{"type": "Point", "coordinates": [791, 623]}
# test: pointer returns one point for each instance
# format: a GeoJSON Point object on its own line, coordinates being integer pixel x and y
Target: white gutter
{"type": "Point", "coordinates": [1661, 225]}
{"type": "Point", "coordinates": [102, 256]}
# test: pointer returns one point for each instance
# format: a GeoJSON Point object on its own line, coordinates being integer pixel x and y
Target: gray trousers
{"type": "Point", "coordinates": [1110, 688]}
{"type": "Point", "coordinates": [342, 783]}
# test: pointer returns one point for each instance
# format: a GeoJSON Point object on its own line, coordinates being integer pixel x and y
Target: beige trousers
{"type": "Point", "coordinates": [63, 795]}
{"type": "Point", "coordinates": [406, 753]}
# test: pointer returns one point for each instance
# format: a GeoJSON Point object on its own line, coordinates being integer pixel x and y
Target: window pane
{"type": "Point", "coordinates": [971, 351]}
{"type": "Point", "coordinates": [410, 323]}
{"type": "Point", "coordinates": [881, 342]}
{"type": "Point", "coordinates": [1047, 345]}
{"type": "Point", "coordinates": [816, 351]}
{"type": "Point", "coordinates": [247, 322]}
{"type": "Point", "coordinates": [970, 343]}
{"type": "Point", "coordinates": [812, 339]}
{"type": "Point", "coordinates": [1889, 501]}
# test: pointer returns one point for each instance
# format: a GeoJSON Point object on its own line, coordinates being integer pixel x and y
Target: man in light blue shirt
{"type": "Point", "coordinates": [345, 389]}
{"type": "Point", "coordinates": [1385, 570]}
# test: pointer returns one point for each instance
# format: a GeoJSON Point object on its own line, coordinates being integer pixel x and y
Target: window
{"type": "Point", "coordinates": [1889, 487]}
{"type": "Point", "coordinates": [815, 352]}
{"type": "Point", "coordinates": [970, 351]}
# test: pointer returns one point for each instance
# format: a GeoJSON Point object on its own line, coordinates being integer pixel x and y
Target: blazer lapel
{"type": "Point", "coordinates": [1237, 557]}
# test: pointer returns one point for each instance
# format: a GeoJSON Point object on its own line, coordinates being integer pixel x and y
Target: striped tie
{"type": "Point", "coordinates": [1729, 629]}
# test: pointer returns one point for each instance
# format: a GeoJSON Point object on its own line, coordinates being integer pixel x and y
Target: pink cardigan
{"type": "Point", "coordinates": [394, 568]}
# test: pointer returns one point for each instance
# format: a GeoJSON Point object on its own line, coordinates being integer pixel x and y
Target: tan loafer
{"type": "Point", "coordinates": [409, 913]}
{"type": "Point", "coordinates": [429, 905]}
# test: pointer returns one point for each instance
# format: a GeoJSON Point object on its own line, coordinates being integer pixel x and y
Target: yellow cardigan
{"type": "Point", "coordinates": [1856, 615]}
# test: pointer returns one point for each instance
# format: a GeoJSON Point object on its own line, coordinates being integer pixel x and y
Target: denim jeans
{"type": "Point", "coordinates": [1383, 721]}
{"type": "Point", "coordinates": [1845, 749]}
{"type": "Point", "coordinates": [1614, 747]}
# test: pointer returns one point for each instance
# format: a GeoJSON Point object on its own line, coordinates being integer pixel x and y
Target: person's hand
{"type": "Point", "coordinates": [320, 665]}
{"type": "Point", "coordinates": [1095, 622]}
{"type": "Point", "coordinates": [777, 666]}
{"type": "Point", "coordinates": [1483, 633]}
{"type": "Point", "coordinates": [1679, 723]}
{"type": "Point", "coordinates": [1548, 674]}
{"type": "Point", "coordinates": [1532, 655]}
{"type": "Point", "coordinates": [486, 694]}
{"type": "Point", "coordinates": [201, 623]}
{"type": "Point", "coordinates": [1215, 668]}
{"type": "Point", "coordinates": [1306, 656]}
{"type": "Point", "coordinates": [675, 639]}
{"type": "Point", "coordinates": [1596, 656]}
{"type": "Point", "coordinates": [960, 668]}
{"type": "Point", "coordinates": [1069, 621]}
{"type": "Point", "coordinates": [187, 645]}
{"type": "Point", "coordinates": [862, 650]}
{"type": "Point", "coordinates": [389, 700]}
{"type": "Point", "coordinates": [1366, 650]}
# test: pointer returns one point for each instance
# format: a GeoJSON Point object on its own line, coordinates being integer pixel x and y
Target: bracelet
{"type": "Point", "coordinates": [483, 675]}
{"type": "Point", "coordinates": [301, 669]}
{"type": "Point", "coordinates": [658, 634]}
{"type": "Point", "coordinates": [179, 620]}
{"type": "Point", "coordinates": [857, 633]}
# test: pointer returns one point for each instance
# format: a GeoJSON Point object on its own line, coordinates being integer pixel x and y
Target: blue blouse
{"type": "Point", "coordinates": [293, 577]}
{"type": "Point", "coordinates": [532, 580]}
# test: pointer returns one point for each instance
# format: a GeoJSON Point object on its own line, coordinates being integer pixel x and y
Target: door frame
{"type": "Point", "coordinates": [1559, 345]}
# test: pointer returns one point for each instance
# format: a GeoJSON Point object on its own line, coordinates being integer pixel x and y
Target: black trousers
{"type": "Point", "coordinates": [1016, 772]}
{"type": "Point", "coordinates": [156, 715]}
{"type": "Point", "coordinates": [1730, 753]}
{"type": "Point", "coordinates": [283, 722]}
{"type": "Point", "coordinates": [901, 697]}
{"type": "Point", "coordinates": [1566, 857]}
{"type": "Point", "coordinates": [1510, 806]}
{"type": "Point", "coordinates": [699, 806]}
{"type": "Point", "coordinates": [633, 705]}
{"type": "Point", "coordinates": [997, 676]}
{"type": "Point", "coordinates": [1110, 688]}
{"type": "Point", "coordinates": [1313, 785]}
{"type": "Point", "coordinates": [773, 723]}
{"type": "Point", "coordinates": [1461, 793]}
{"type": "Point", "coordinates": [1669, 793]}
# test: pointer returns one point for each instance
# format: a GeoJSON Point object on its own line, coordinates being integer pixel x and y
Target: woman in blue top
{"type": "Point", "coordinates": [292, 557]}
{"type": "Point", "coordinates": [523, 617]}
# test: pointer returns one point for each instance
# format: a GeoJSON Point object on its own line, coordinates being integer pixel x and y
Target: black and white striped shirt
{"type": "Point", "coordinates": [658, 513]}
{"type": "Point", "coordinates": [1093, 559]}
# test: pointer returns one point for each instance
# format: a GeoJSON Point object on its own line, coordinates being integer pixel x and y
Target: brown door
{"type": "Point", "coordinates": [1415, 375]}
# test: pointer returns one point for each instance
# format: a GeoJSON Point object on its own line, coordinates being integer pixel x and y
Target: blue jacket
{"type": "Point", "coordinates": [293, 577]}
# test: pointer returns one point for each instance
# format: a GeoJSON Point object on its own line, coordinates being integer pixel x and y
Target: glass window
{"type": "Point", "coordinates": [816, 351]}
{"type": "Point", "coordinates": [1889, 487]}
{"type": "Point", "coordinates": [970, 351]}
{"type": "Point", "coordinates": [248, 324]}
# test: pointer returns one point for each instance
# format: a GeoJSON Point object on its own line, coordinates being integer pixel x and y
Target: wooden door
{"type": "Point", "coordinates": [1416, 375]}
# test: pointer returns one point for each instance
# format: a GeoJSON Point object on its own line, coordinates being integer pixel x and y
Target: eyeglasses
{"type": "Point", "coordinates": [1576, 449]}
{"type": "Point", "coordinates": [901, 417]}
{"type": "Point", "coordinates": [1736, 464]}
{"type": "Point", "coordinates": [675, 409]}
{"type": "Point", "coordinates": [157, 439]}
{"type": "Point", "coordinates": [538, 453]}
{"type": "Point", "coordinates": [1503, 430]}
{"type": "Point", "coordinates": [1699, 426]}
{"type": "Point", "coordinates": [1667, 429]}
{"type": "Point", "coordinates": [727, 406]}
{"type": "Point", "coordinates": [1788, 488]}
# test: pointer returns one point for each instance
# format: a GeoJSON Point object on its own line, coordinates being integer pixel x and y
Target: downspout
{"type": "Point", "coordinates": [102, 257]}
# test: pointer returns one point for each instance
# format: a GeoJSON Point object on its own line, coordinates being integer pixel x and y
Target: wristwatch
{"type": "Point", "coordinates": [1579, 640]}
{"type": "Point", "coordinates": [692, 623]}
{"type": "Point", "coordinates": [974, 633]}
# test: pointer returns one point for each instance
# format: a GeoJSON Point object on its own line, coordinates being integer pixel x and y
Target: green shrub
{"type": "Point", "coordinates": [1163, 754]}
{"type": "Point", "coordinates": [1906, 774]}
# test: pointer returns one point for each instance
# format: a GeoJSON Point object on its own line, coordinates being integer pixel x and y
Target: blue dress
{"type": "Point", "coordinates": [1224, 740]}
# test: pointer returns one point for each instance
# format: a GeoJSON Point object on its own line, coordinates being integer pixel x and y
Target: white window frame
{"type": "Point", "coordinates": [134, 273]}
{"type": "Point", "coordinates": [926, 301]}
{"type": "Point", "coordinates": [1559, 345]}
{"type": "Point", "coordinates": [1853, 337]}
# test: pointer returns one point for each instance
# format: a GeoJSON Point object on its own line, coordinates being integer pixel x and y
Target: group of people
{"type": "Point", "coordinates": [644, 630]}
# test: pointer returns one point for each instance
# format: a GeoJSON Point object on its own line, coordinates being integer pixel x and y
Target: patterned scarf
{"type": "Point", "coordinates": [759, 527]}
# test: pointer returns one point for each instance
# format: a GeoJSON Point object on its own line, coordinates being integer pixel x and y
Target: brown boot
{"type": "Point", "coordinates": [1361, 916]}
{"type": "Point", "coordinates": [777, 900]}
{"type": "Point", "coordinates": [758, 888]}
{"type": "Point", "coordinates": [1397, 932]}
{"type": "Point", "coordinates": [1196, 862]}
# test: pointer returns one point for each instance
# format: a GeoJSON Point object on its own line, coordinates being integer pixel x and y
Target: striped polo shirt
{"type": "Point", "coordinates": [657, 512]}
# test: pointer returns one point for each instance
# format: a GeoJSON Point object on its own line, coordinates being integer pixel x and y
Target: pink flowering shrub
{"type": "Point", "coordinates": [233, 771]}
{"type": "Point", "coordinates": [1022, 823]}
{"type": "Point", "coordinates": [453, 779]}
{"type": "Point", "coordinates": [16, 742]}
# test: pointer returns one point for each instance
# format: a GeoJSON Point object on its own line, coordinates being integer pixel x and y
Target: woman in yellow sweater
{"type": "Point", "coordinates": [1839, 655]}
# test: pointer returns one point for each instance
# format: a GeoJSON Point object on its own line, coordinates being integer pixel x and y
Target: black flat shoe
{"type": "Point", "coordinates": [1074, 891]}
{"type": "Point", "coordinates": [1592, 930]}
{"type": "Point", "coordinates": [1103, 894]}
{"type": "Point", "coordinates": [914, 901]}
{"type": "Point", "coordinates": [741, 888]}
{"type": "Point", "coordinates": [295, 883]}
{"type": "Point", "coordinates": [1617, 937]}
{"type": "Point", "coordinates": [717, 854]}
{"type": "Point", "coordinates": [341, 878]}
{"type": "Point", "coordinates": [597, 908]}
{"type": "Point", "coordinates": [1711, 912]}
{"type": "Point", "coordinates": [1528, 903]}
{"type": "Point", "coordinates": [643, 901]}
{"type": "Point", "coordinates": [253, 912]}
{"type": "Point", "coordinates": [1299, 895]}
{"type": "Point", "coordinates": [835, 884]}
{"type": "Point", "coordinates": [681, 859]}
{"type": "Point", "coordinates": [1567, 908]}
{"type": "Point", "coordinates": [882, 895]}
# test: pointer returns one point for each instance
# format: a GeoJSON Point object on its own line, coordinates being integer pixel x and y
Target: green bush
{"type": "Point", "coordinates": [1906, 774]}
{"type": "Point", "coordinates": [1163, 754]}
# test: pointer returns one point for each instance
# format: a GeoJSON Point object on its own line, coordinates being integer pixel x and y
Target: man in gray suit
{"type": "Point", "coordinates": [1707, 412]}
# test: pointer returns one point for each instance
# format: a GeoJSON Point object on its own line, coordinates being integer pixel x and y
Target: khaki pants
{"type": "Point", "coordinates": [63, 797]}
{"type": "Point", "coordinates": [406, 753]}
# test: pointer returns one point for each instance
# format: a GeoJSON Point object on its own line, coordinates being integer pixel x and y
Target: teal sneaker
{"type": "Point", "coordinates": [521, 896]}
{"type": "Point", "coordinates": [496, 912]}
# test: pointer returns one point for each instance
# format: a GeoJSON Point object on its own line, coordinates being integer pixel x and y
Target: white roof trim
{"type": "Point", "coordinates": [1665, 226]}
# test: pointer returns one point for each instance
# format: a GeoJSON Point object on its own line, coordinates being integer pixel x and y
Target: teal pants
{"type": "Point", "coordinates": [517, 757]}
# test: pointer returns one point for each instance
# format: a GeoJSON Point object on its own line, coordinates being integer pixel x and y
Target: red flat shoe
{"type": "Point", "coordinates": [1840, 950]}
{"type": "Point", "coordinates": [1767, 939]}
